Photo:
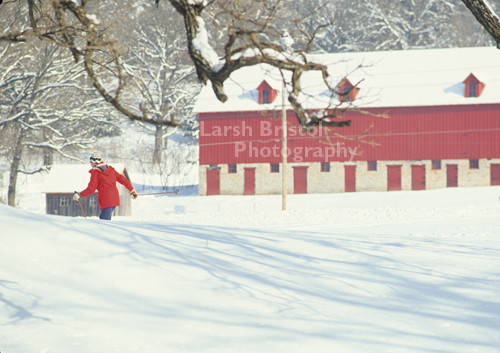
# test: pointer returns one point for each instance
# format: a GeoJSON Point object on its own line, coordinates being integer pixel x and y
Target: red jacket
{"type": "Point", "coordinates": [103, 178]}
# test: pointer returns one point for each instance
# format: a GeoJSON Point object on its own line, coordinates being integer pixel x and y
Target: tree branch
{"type": "Point", "coordinates": [486, 17]}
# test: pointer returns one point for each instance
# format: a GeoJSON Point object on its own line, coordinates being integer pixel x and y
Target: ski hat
{"type": "Point", "coordinates": [95, 158]}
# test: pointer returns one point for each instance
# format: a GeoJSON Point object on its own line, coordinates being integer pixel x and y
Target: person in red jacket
{"type": "Point", "coordinates": [103, 178]}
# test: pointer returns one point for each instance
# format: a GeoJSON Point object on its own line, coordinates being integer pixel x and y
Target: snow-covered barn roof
{"type": "Point", "coordinates": [68, 178]}
{"type": "Point", "coordinates": [424, 77]}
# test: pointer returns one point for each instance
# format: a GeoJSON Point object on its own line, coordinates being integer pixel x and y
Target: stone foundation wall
{"type": "Point", "coordinates": [267, 183]}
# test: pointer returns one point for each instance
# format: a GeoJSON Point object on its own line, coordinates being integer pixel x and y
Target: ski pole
{"type": "Point", "coordinates": [177, 192]}
{"type": "Point", "coordinates": [82, 209]}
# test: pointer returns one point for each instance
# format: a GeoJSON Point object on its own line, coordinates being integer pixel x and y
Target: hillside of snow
{"type": "Point", "coordinates": [348, 273]}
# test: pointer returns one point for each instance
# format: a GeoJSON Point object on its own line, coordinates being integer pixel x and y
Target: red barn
{"type": "Point", "coordinates": [433, 122]}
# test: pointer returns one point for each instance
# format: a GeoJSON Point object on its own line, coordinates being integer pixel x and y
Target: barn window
{"type": "Point", "coordinates": [325, 167]}
{"type": "Point", "coordinates": [436, 165]}
{"type": "Point", "coordinates": [231, 168]}
{"type": "Point", "coordinates": [472, 90]}
{"type": "Point", "coordinates": [93, 201]}
{"type": "Point", "coordinates": [275, 168]}
{"type": "Point", "coordinates": [265, 96]}
{"type": "Point", "coordinates": [347, 94]}
{"type": "Point", "coordinates": [63, 201]}
{"type": "Point", "coordinates": [372, 165]}
{"type": "Point", "coordinates": [474, 163]}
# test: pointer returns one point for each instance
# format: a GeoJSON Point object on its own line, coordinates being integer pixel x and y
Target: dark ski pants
{"type": "Point", "coordinates": [106, 213]}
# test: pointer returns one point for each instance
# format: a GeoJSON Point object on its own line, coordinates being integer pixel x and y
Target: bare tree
{"type": "Point", "coordinates": [162, 75]}
{"type": "Point", "coordinates": [42, 103]}
{"type": "Point", "coordinates": [393, 25]}
{"type": "Point", "coordinates": [253, 37]}
{"type": "Point", "coordinates": [178, 163]}
{"type": "Point", "coordinates": [249, 32]}
{"type": "Point", "coordinates": [86, 28]}
{"type": "Point", "coordinates": [252, 31]}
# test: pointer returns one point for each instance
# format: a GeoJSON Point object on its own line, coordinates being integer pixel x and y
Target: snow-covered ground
{"type": "Point", "coordinates": [347, 273]}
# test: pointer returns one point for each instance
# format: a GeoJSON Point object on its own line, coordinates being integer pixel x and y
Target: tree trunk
{"type": "Point", "coordinates": [158, 145]}
{"type": "Point", "coordinates": [485, 17]}
{"type": "Point", "coordinates": [14, 167]}
{"type": "Point", "coordinates": [48, 157]}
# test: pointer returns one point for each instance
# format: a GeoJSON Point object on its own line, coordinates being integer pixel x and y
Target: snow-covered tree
{"type": "Point", "coordinates": [254, 35]}
{"type": "Point", "coordinates": [44, 105]}
{"type": "Point", "coordinates": [251, 29]}
{"type": "Point", "coordinates": [163, 76]}
{"type": "Point", "coordinates": [397, 25]}
{"type": "Point", "coordinates": [247, 32]}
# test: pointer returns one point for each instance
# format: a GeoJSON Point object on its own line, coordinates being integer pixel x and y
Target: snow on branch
{"type": "Point", "coordinates": [39, 170]}
{"type": "Point", "coordinates": [247, 45]}
{"type": "Point", "coordinates": [67, 23]}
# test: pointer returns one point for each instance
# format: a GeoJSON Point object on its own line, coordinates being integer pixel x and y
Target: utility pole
{"type": "Point", "coordinates": [284, 151]}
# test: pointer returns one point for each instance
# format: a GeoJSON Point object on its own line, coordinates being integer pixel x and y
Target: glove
{"type": "Point", "coordinates": [133, 194]}
{"type": "Point", "coordinates": [76, 196]}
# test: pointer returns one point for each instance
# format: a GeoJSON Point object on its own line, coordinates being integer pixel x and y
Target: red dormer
{"type": "Point", "coordinates": [347, 91]}
{"type": "Point", "coordinates": [473, 87]}
{"type": "Point", "coordinates": [266, 93]}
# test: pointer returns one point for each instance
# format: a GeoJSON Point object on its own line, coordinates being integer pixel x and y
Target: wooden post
{"type": "Point", "coordinates": [284, 153]}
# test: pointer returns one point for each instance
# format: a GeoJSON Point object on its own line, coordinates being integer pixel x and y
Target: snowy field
{"type": "Point", "coordinates": [345, 273]}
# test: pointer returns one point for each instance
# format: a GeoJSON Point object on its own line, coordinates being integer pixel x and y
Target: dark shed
{"type": "Point", "coordinates": [64, 179]}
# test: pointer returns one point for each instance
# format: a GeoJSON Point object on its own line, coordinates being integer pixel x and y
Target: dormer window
{"type": "Point", "coordinates": [265, 96]}
{"type": "Point", "coordinates": [473, 87]}
{"type": "Point", "coordinates": [347, 91]}
{"type": "Point", "coordinates": [472, 90]}
{"type": "Point", "coordinates": [346, 97]}
{"type": "Point", "coordinates": [266, 93]}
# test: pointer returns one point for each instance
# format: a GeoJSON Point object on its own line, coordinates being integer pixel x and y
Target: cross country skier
{"type": "Point", "coordinates": [103, 178]}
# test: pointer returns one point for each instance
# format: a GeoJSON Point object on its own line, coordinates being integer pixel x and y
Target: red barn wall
{"type": "Point", "coordinates": [410, 133]}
